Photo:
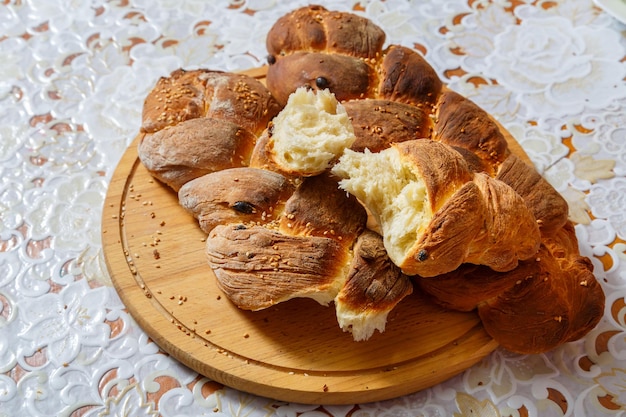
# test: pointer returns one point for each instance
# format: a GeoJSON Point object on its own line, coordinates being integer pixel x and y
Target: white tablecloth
{"type": "Point", "coordinates": [73, 76]}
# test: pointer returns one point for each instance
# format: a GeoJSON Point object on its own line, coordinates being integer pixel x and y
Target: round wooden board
{"type": "Point", "coordinates": [293, 352]}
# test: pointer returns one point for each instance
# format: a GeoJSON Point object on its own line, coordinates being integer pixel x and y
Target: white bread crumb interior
{"type": "Point", "coordinates": [361, 324]}
{"type": "Point", "coordinates": [392, 191]}
{"type": "Point", "coordinates": [310, 132]}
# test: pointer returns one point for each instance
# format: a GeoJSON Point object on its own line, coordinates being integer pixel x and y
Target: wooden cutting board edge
{"type": "Point", "coordinates": [222, 365]}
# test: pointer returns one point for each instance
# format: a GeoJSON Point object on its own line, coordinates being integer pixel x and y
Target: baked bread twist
{"type": "Point", "coordinates": [280, 228]}
{"type": "Point", "coordinates": [201, 121]}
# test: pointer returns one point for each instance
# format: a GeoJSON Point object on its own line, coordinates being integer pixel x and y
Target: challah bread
{"type": "Point", "coordinates": [401, 75]}
{"type": "Point", "coordinates": [436, 214]}
{"type": "Point", "coordinates": [279, 230]}
{"type": "Point", "coordinates": [201, 121]}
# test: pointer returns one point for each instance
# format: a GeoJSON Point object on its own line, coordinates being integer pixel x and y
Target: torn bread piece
{"type": "Point", "coordinates": [373, 288]}
{"type": "Point", "coordinates": [310, 133]}
{"type": "Point", "coordinates": [434, 213]}
{"type": "Point", "coordinates": [257, 267]}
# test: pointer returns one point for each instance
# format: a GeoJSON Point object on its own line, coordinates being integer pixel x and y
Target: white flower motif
{"type": "Point", "coordinates": [607, 201]}
{"type": "Point", "coordinates": [65, 322]}
{"type": "Point", "coordinates": [494, 99]}
{"type": "Point", "coordinates": [131, 401]}
{"type": "Point", "coordinates": [60, 15]}
{"type": "Point", "coordinates": [10, 65]}
{"type": "Point", "coordinates": [543, 148]}
{"type": "Point", "coordinates": [608, 140]}
{"type": "Point", "coordinates": [11, 139]}
{"type": "Point", "coordinates": [8, 357]}
{"type": "Point", "coordinates": [11, 195]}
{"type": "Point", "coordinates": [500, 373]}
{"type": "Point", "coordinates": [425, 403]}
{"type": "Point", "coordinates": [12, 24]}
{"type": "Point", "coordinates": [155, 9]}
{"type": "Point", "coordinates": [231, 402]}
{"type": "Point", "coordinates": [614, 382]}
{"type": "Point", "coordinates": [476, 35]}
{"type": "Point", "coordinates": [72, 213]}
{"type": "Point", "coordinates": [556, 68]}
{"type": "Point", "coordinates": [560, 174]}
{"type": "Point", "coordinates": [194, 50]}
{"type": "Point", "coordinates": [183, 402]}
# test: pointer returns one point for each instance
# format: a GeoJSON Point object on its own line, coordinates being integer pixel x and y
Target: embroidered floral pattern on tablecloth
{"type": "Point", "coordinates": [72, 81]}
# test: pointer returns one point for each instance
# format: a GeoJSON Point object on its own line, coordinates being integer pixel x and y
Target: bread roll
{"type": "Point", "coordinates": [548, 307]}
{"type": "Point", "coordinates": [201, 121]}
{"type": "Point", "coordinates": [548, 300]}
{"type": "Point", "coordinates": [194, 147]}
{"type": "Point", "coordinates": [316, 246]}
{"type": "Point", "coordinates": [258, 267]}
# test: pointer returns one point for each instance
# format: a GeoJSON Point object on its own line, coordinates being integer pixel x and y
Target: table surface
{"type": "Point", "coordinates": [73, 76]}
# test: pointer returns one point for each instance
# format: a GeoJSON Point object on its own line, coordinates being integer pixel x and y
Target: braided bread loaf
{"type": "Point", "coordinates": [393, 95]}
{"type": "Point", "coordinates": [279, 227]}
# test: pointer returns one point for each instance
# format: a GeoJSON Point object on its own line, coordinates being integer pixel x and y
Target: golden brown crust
{"type": "Point", "coordinates": [319, 208]}
{"type": "Point", "coordinates": [460, 122]}
{"type": "Point", "coordinates": [406, 77]}
{"type": "Point", "coordinates": [373, 288]}
{"type": "Point", "coordinates": [468, 285]}
{"type": "Point", "coordinates": [444, 244]}
{"type": "Point", "coordinates": [239, 195]}
{"type": "Point", "coordinates": [443, 170]}
{"type": "Point", "coordinates": [240, 99]}
{"type": "Point", "coordinates": [379, 123]}
{"type": "Point", "coordinates": [194, 147]}
{"type": "Point", "coordinates": [510, 232]}
{"type": "Point", "coordinates": [560, 301]}
{"type": "Point", "coordinates": [200, 121]}
{"type": "Point", "coordinates": [257, 267]}
{"type": "Point", "coordinates": [374, 283]}
{"type": "Point", "coordinates": [348, 77]}
{"type": "Point", "coordinates": [548, 206]}
{"type": "Point", "coordinates": [174, 99]}
{"type": "Point", "coordinates": [434, 213]}
{"type": "Point", "coordinates": [548, 300]}
{"type": "Point", "coordinates": [314, 28]}
{"type": "Point", "coordinates": [260, 157]}
{"type": "Point", "coordinates": [476, 195]}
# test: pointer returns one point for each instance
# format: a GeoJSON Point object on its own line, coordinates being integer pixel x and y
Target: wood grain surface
{"type": "Point", "coordinates": [294, 351]}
